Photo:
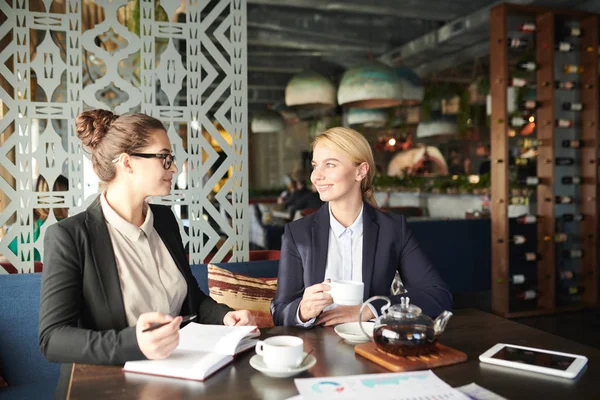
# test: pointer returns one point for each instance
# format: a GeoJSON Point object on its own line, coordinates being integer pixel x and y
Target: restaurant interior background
{"type": "Point", "coordinates": [244, 86]}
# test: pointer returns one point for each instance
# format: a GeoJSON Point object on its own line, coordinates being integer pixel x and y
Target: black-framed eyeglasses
{"type": "Point", "coordinates": [168, 159]}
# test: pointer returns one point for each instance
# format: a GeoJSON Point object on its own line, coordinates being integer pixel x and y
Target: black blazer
{"type": "Point", "coordinates": [388, 245]}
{"type": "Point", "coordinates": [82, 317]}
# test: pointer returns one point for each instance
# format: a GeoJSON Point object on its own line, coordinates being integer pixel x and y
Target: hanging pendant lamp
{"type": "Point", "coordinates": [437, 128]}
{"type": "Point", "coordinates": [268, 121]}
{"type": "Point", "coordinates": [373, 85]}
{"type": "Point", "coordinates": [368, 117]}
{"type": "Point", "coordinates": [310, 89]}
{"type": "Point", "coordinates": [412, 87]}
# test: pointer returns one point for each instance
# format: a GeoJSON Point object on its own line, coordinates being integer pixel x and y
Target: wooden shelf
{"type": "Point", "coordinates": [548, 21]}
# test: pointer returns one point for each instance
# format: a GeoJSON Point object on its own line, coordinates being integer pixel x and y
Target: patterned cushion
{"type": "Point", "coordinates": [2, 382]}
{"type": "Point", "coordinates": [242, 292]}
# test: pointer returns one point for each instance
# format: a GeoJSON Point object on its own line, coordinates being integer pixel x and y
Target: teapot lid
{"type": "Point", "coordinates": [404, 309]}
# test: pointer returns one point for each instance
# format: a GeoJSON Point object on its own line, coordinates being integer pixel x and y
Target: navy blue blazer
{"type": "Point", "coordinates": [388, 245]}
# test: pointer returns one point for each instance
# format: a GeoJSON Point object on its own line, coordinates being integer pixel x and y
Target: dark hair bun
{"type": "Point", "coordinates": [93, 125]}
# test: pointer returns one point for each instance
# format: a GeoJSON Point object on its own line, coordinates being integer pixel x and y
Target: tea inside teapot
{"type": "Point", "coordinates": [403, 330]}
{"type": "Point", "coordinates": [405, 340]}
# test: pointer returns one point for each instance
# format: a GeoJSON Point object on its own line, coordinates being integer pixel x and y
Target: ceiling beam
{"type": "Point", "coordinates": [442, 11]}
{"type": "Point", "coordinates": [292, 63]}
{"type": "Point", "coordinates": [452, 60]}
{"type": "Point", "coordinates": [277, 70]}
{"type": "Point", "coordinates": [342, 27]}
{"type": "Point", "coordinates": [459, 27]}
{"type": "Point", "coordinates": [340, 38]}
{"type": "Point", "coordinates": [287, 41]}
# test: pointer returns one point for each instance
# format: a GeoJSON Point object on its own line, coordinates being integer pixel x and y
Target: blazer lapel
{"type": "Point", "coordinates": [105, 263]}
{"type": "Point", "coordinates": [320, 245]}
{"type": "Point", "coordinates": [370, 233]}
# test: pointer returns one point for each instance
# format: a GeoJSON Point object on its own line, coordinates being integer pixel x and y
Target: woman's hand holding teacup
{"type": "Point", "coordinates": [343, 314]}
{"type": "Point", "coordinates": [314, 300]}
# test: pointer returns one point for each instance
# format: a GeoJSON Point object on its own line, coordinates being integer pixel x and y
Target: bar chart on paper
{"type": "Point", "coordinates": [417, 385]}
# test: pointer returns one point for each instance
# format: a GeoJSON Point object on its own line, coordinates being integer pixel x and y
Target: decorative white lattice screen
{"type": "Point", "coordinates": [186, 66]}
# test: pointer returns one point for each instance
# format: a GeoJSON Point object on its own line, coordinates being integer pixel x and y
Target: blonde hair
{"type": "Point", "coordinates": [354, 146]}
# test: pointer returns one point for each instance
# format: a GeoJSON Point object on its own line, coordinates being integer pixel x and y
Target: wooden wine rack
{"type": "Point", "coordinates": [545, 20]}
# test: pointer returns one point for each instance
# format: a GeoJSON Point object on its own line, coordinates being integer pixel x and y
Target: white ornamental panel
{"type": "Point", "coordinates": [183, 62]}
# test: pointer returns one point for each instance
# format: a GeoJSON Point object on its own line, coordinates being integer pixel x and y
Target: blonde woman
{"type": "Point", "coordinates": [349, 238]}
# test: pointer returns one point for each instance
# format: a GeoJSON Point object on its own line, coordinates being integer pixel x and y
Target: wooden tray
{"type": "Point", "coordinates": [442, 356]}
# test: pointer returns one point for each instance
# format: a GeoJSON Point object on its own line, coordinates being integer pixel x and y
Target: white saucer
{"type": "Point", "coordinates": [351, 332]}
{"type": "Point", "coordinates": [256, 361]}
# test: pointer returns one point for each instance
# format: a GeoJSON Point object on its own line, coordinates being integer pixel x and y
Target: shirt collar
{"type": "Point", "coordinates": [128, 229]}
{"type": "Point", "coordinates": [338, 229]}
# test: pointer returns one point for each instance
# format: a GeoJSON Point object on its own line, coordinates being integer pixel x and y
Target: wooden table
{"type": "Point", "coordinates": [471, 331]}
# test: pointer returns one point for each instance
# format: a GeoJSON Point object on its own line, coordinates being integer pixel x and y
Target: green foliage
{"type": "Point", "coordinates": [440, 184]}
{"type": "Point", "coordinates": [434, 94]}
{"type": "Point", "coordinates": [483, 85]}
{"type": "Point", "coordinates": [464, 118]}
{"type": "Point", "coordinates": [133, 23]}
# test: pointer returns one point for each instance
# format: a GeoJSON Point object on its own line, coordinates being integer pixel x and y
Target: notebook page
{"type": "Point", "coordinates": [213, 338]}
{"type": "Point", "coordinates": [181, 364]}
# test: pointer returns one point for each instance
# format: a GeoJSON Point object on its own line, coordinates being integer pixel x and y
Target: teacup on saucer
{"type": "Point", "coordinates": [256, 361]}
{"type": "Point", "coordinates": [352, 334]}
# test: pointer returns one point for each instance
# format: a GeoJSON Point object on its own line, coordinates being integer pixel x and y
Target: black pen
{"type": "Point", "coordinates": [184, 319]}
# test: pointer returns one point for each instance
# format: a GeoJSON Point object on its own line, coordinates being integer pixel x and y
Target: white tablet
{"type": "Point", "coordinates": [536, 360]}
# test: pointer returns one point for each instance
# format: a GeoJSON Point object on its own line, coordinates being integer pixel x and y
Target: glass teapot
{"type": "Point", "coordinates": [403, 330]}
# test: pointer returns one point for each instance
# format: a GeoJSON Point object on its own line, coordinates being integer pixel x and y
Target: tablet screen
{"type": "Point", "coordinates": [541, 359]}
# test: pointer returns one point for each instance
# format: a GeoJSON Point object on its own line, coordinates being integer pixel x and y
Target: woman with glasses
{"type": "Point", "coordinates": [120, 267]}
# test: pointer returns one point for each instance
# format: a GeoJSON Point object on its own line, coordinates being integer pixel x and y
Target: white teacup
{"type": "Point", "coordinates": [280, 352]}
{"type": "Point", "coordinates": [347, 293]}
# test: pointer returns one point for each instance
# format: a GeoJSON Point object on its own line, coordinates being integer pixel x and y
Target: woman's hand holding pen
{"type": "Point", "coordinates": [314, 300]}
{"type": "Point", "coordinates": [158, 343]}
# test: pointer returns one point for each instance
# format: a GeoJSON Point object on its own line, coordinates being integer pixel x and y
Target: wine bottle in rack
{"type": "Point", "coordinates": [567, 275]}
{"type": "Point", "coordinates": [517, 122]}
{"type": "Point", "coordinates": [572, 217]}
{"type": "Point", "coordinates": [530, 181]}
{"type": "Point", "coordinates": [529, 104]}
{"type": "Point", "coordinates": [517, 43]}
{"type": "Point", "coordinates": [564, 123]}
{"type": "Point", "coordinates": [571, 180]}
{"type": "Point", "coordinates": [564, 161]}
{"type": "Point", "coordinates": [572, 31]}
{"type": "Point", "coordinates": [527, 295]}
{"type": "Point", "coordinates": [558, 238]}
{"type": "Point", "coordinates": [527, 66]}
{"type": "Point", "coordinates": [571, 290]}
{"type": "Point", "coordinates": [567, 85]}
{"type": "Point", "coordinates": [526, 27]}
{"type": "Point", "coordinates": [527, 219]}
{"type": "Point", "coordinates": [521, 82]}
{"type": "Point", "coordinates": [568, 106]}
{"type": "Point", "coordinates": [564, 199]}
{"type": "Point", "coordinates": [572, 69]}
{"type": "Point", "coordinates": [572, 253]}
{"type": "Point", "coordinates": [572, 144]}
{"type": "Point", "coordinates": [516, 279]}
{"type": "Point", "coordinates": [530, 256]}
{"type": "Point", "coordinates": [564, 47]}
{"type": "Point", "coordinates": [518, 239]}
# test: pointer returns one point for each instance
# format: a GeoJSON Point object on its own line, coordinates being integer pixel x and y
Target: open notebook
{"type": "Point", "coordinates": [202, 351]}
